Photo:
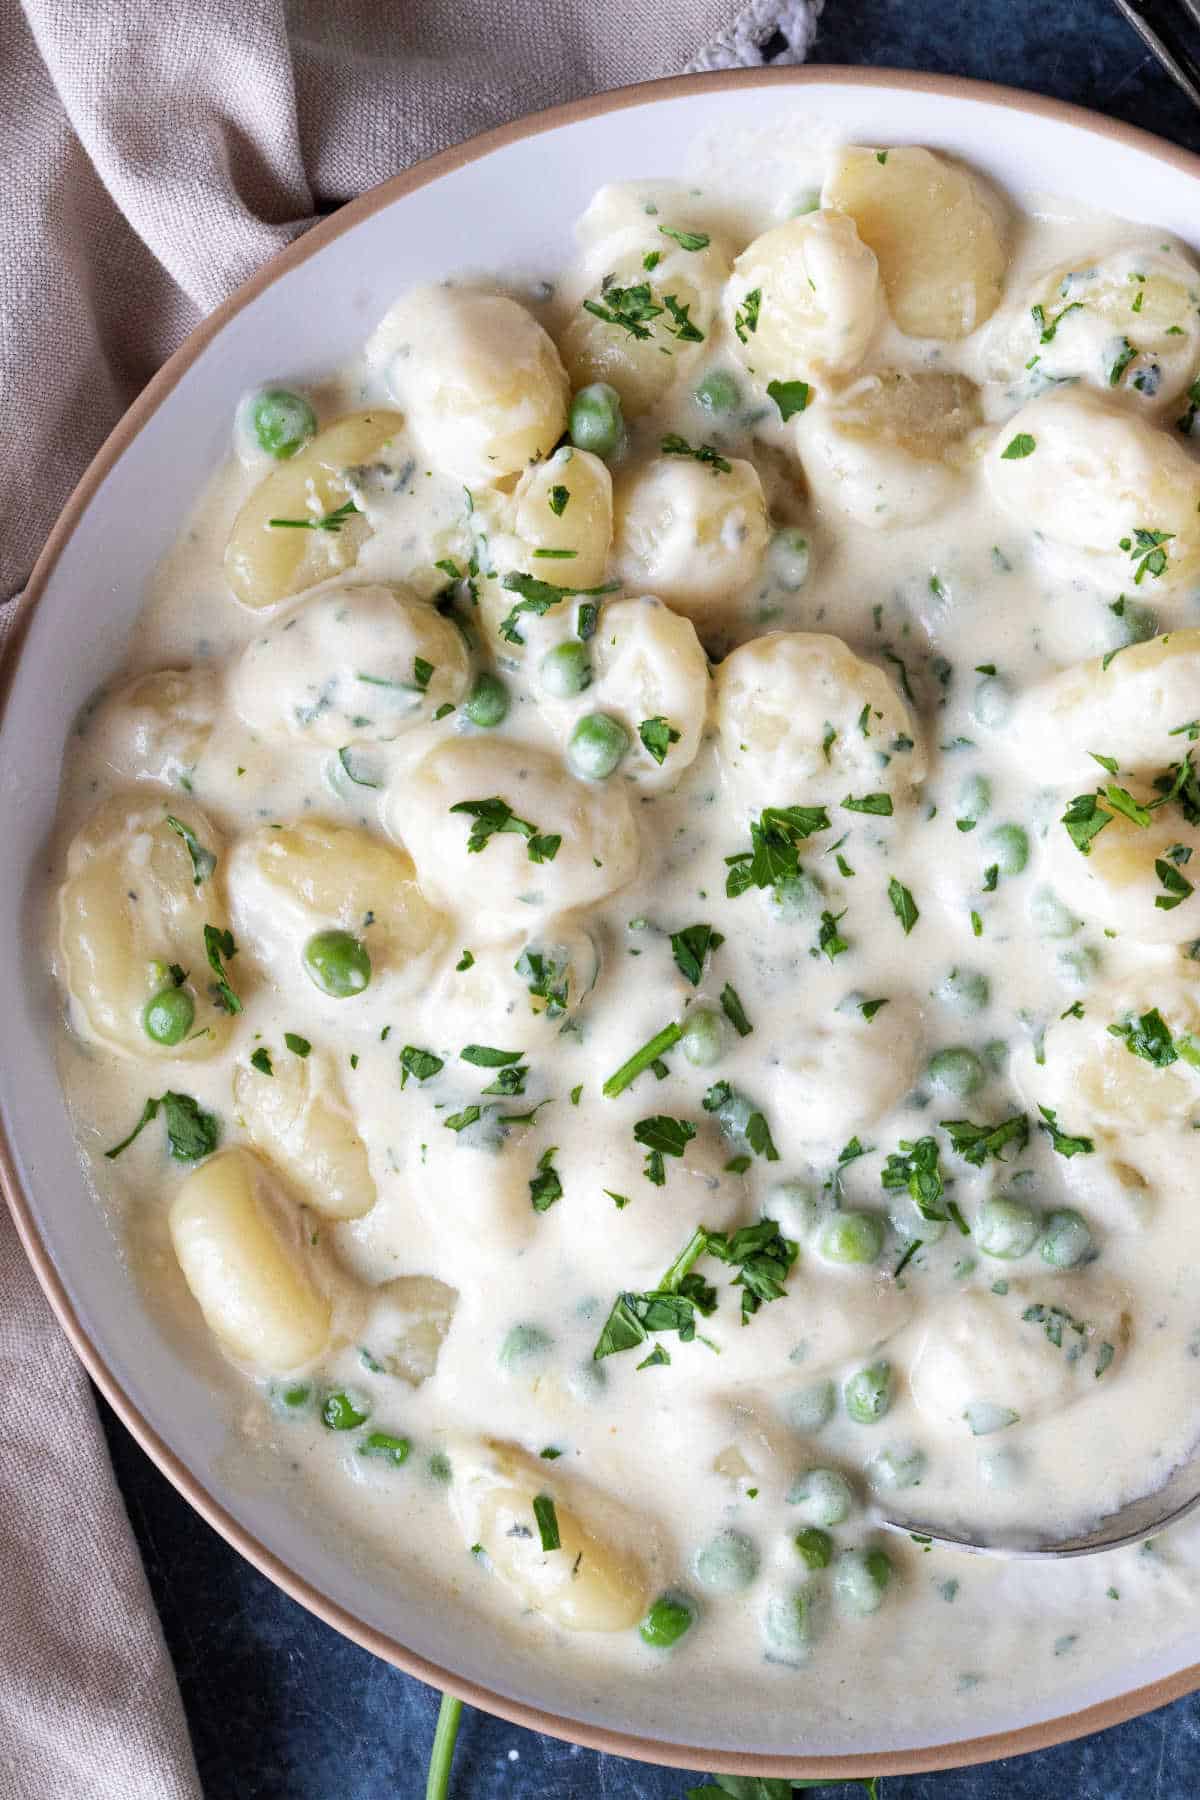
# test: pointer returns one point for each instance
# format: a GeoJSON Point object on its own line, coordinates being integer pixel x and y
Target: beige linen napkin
{"type": "Point", "coordinates": [153, 154]}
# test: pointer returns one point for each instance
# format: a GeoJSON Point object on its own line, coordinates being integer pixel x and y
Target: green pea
{"type": "Point", "coordinates": [852, 1237]}
{"type": "Point", "coordinates": [596, 746]}
{"type": "Point", "coordinates": [814, 1547]}
{"type": "Point", "coordinates": [1009, 846]}
{"type": "Point", "coordinates": [719, 392]}
{"type": "Point", "coordinates": [283, 422]}
{"type": "Point", "coordinates": [727, 1562]}
{"type": "Point", "coordinates": [596, 422]}
{"type": "Point", "coordinates": [788, 556]}
{"type": "Point", "coordinates": [790, 1622]}
{"type": "Point", "coordinates": [523, 1343]}
{"type": "Point", "coordinates": [344, 1412]}
{"type": "Point", "coordinates": [703, 1040]}
{"type": "Point", "coordinates": [1068, 1239]}
{"type": "Point", "coordinates": [860, 1580]}
{"type": "Point", "coordinates": [957, 1072]}
{"type": "Point", "coordinates": [897, 1467]}
{"type": "Point", "coordinates": [985, 1417]}
{"type": "Point", "coordinates": [966, 990]}
{"type": "Point", "coordinates": [1050, 917]}
{"type": "Point", "coordinates": [974, 797]}
{"type": "Point", "coordinates": [824, 1497]}
{"type": "Point", "coordinates": [797, 897]}
{"type": "Point", "coordinates": [337, 963]}
{"type": "Point", "coordinates": [992, 702]}
{"type": "Point", "coordinates": [168, 1015]}
{"type": "Point", "coordinates": [867, 1394]}
{"type": "Point", "coordinates": [293, 1398]}
{"type": "Point", "coordinates": [566, 670]}
{"type": "Point", "coordinates": [808, 1408]}
{"type": "Point", "coordinates": [1006, 1228]}
{"type": "Point", "coordinates": [488, 701]}
{"type": "Point", "coordinates": [909, 1223]}
{"type": "Point", "coordinates": [385, 1447]}
{"type": "Point", "coordinates": [797, 1205]}
{"type": "Point", "coordinates": [671, 1615]}
{"type": "Point", "coordinates": [1133, 624]}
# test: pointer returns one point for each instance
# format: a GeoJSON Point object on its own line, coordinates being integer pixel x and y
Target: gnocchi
{"type": "Point", "coordinates": [691, 532]}
{"type": "Point", "coordinates": [296, 1115]}
{"type": "Point", "coordinates": [804, 299]}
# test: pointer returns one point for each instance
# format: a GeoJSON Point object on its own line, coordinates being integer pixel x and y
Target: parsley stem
{"type": "Point", "coordinates": [437, 1786]}
{"type": "Point", "coordinates": [641, 1059]}
{"type": "Point", "coordinates": [692, 1251]}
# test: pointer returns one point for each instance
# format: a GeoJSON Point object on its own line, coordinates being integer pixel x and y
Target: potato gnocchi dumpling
{"type": "Point", "coordinates": [1124, 321]}
{"type": "Point", "coordinates": [635, 328]}
{"type": "Point", "coordinates": [479, 380]}
{"type": "Point", "coordinates": [802, 717]}
{"type": "Point", "coordinates": [1129, 869]}
{"type": "Point", "coordinates": [132, 911]}
{"type": "Point", "coordinates": [245, 1257]}
{"type": "Point", "coordinates": [322, 532]}
{"type": "Point", "coordinates": [1110, 488]}
{"type": "Point", "coordinates": [298, 1117]}
{"type": "Point", "coordinates": [406, 1324]}
{"type": "Point", "coordinates": [287, 885]}
{"type": "Point", "coordinates": [157, 726]}
{"type": "Point", "coordinates": [691, 532]}
{"type": "Point", "coordinates": [563, 509]}
{"type": "Point", "coordinates": [1134, 1083]}
{"type": "Point", "coordinates": [937, 234]}
{"type": "Point", "coordinates": [493, 860]}
{"type": "Point", "coordinates": [892, 450]}
{"type": "Point", "coordinates": [359, 664]}
{"type": "Point", "coordinates": [836, 1076]}
{"type": "Point", "coordinates": [591, 1581]}
{"type": "Point", "coordinates": [804, 299]}
{"type": "Point", "coordinates": [527, 985]}
{"type": "Point", "coordinates": [987, 1362]}
{"type": "Point", "coordinates": [647, 669]}
{"type": "Point", "coordinates": [1137, 710]}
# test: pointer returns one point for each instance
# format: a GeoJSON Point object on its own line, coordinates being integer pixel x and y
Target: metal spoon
{"type": "Point", "coordinates": [1164, 25]}
{"type": "Point", "coordinates": [1130, 1524]}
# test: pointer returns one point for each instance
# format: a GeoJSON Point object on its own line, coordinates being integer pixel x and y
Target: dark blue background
{"type": "Point", "coordinates": [282, 1708]}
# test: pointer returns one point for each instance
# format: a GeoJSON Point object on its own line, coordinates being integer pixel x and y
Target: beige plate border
{"type": "Point", "coordinates": [827, 1768]}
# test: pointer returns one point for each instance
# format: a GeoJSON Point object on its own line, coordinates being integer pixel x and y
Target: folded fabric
{"type": "Point", "coordinates": [156, 154]}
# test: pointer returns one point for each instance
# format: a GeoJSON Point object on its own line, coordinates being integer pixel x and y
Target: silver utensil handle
{"type": "Point", "coordinates": [1162, 25]}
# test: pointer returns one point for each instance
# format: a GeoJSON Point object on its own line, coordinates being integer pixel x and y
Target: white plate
{"type": "Point", "coordinates": [511, 197]}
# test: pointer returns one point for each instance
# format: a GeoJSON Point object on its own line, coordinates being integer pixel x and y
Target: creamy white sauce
{"type": "Point", "coordinates": [663, 1458]}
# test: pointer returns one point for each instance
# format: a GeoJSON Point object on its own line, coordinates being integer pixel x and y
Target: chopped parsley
{"type": "Point", "coordinates": [879, 804]}
{"type": "Point", "coordinates": [687, 240]}
{"type": "Point", "coordinates": [422, 1065]}
{"type": "Point", "coordinates": [641, 1060]}
{"type": "Point", "coordinates": [218, 944]}
{"type": "Point", "coordinates": [465, 961]}
{"type": "Point", "coordinates": [789, 396]}
{"type": "Point", "coordinates": [330, 521]}
{"type": "Point", "coordinates": [537, 597]}
{"type": "Point", "coordinates": [690, 947]}
{"type": "Point", "coordinates": [775, 837]}
{"type": "Point", "coordinates": [558, 500]}
{"type": "Point", "coordinates": [661, 1136]}
{"type": "Point", "coordinates": [545, 1187]}
{"type": "Point", "coordinates": [203, 861]}
{"type": "Point", "coordinates": [763, 1258]}
{"type": "Point", "coordinates": [494, 816]}
{"type": "Point", "coordinates": [1019, 447]}
{"type": "Point", "coordinates": [1178, 888]}
{"type": "Point", "coordinates": [975, 1143]}
{"type": "Point", "coordinates": [299, 1046]}
{"type": "Point", "coordinates": [745, 318]}
{"type": "Point", "coordinates": [191, 1132]}
{"type": "Point", "coordinates": [1146, 550]}
{"type": "Point", "coordinates": [547, 978]}
{"type": "Point", "coordinates": [261, 1060]}
{"type": "Point", "coordinates": [657, 736]}
{"type": "Point", "coordinates": [1149, 1038]}
{"type": "Point", "coordinates": [734, 1011]}
{"type": "Point", "coordinates": [630, 308]}
{"type": "Point", "coordinates": [830, 942]}
{"type": "Point", "coordinates": [1062, 1142]}
{"type": "Point", "coordinates": [484, 1057]}
{"type": "Point", "coordinates": [674, 445]}
{"type": "Point", "coordinates": [547, 1522]}
{"type": "Point", "coordinates": [914, 1168]}
{"type": "Point", "coordinates": [903, 905]}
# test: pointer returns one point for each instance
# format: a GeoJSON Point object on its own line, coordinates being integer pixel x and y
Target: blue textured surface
{"type": "Point", "coordinates": [282, 1708]}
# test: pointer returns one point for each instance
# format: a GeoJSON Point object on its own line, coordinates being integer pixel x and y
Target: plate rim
{"type": "Point", "coordinates": [1020, 1740]}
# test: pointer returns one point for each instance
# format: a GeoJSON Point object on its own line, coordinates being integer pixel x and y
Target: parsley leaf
{"type": "Point", "coordinates": [1018, 447]}
{"type": "Point", "coordinates": [880, 804]}
{"type": "Point", "coordinates": [547, 1522]}
{"type": "Point", "coordinates": [763, 1258]}
{"type": "Point", "coordinates": [299, 1046]}
{"type": "Point", "coordinates": [657, 736]}
{"type": "Point", "coordinates": [559, 499]}
{"type": "Point", "coordinates": [745, 318]}
{"type": "Point", "coordinates": [545, 1187]}
{"type": "Point", "coordinates": [537, 597]}
{"type": "Point", "coordinates": [496, 815]}
{"type": "Point", "coordinates": [484, 1057]}
{"type": "Point", "coordinates": [630, 308]}
{"type": "Point", "coordinates": [903, 905]}
{"type": "Point", "coordinates": [775, 837]}
{"type": "Point", "coordinates": [218, 944]}
{"type": "Point", "coordinates": [1064, 1144]}
{"type": "Point", "coordinates": [734, 1011]}
{"type": "Point", "coordinates": [687, 240]}
{"type": "Point", "coordinates": [674, 445]}
{"type": "Point", "coordinates": [914, 1167]}
{"type": "Point", "coordinates": [1178, 888]}
{"type": "Point", "coordinates": [975, 1143]}
{"type": "Point", "coordinates": [261, 1060]}
{"type": "Point", "coordinates": [422, 1065]}
{"type": "Point", "coordinates": [1149, 1038]}
{"type": "Point", "coordinates": [191, 1132]}
{"type": "Point", "coordinates": [789, 396]}
{"type": "Point", "coordinates": [203, 861]}
{"type": "Point", "coordinates": [690, 947]}
{"type": "Point", "coordinates": [662, 1136]}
